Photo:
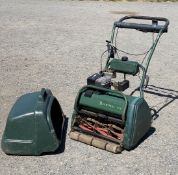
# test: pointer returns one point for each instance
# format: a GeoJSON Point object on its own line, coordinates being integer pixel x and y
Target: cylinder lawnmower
{"type": "Point", "coordinates": [103, 115]}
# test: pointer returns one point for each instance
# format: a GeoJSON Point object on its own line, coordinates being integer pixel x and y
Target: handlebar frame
{"type": "Point", "coordinates": [154, 27]}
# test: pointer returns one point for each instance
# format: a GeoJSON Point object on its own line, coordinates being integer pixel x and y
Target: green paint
{"type": "Point", "coordinates": [34, 125]}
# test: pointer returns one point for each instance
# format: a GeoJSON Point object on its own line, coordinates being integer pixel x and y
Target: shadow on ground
{"type": "Point", "coordinates": [170, 94]}
{"type": "Point", "coordinates": [161, 92]}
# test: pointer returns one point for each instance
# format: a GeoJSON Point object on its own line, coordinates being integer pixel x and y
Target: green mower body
{"type": "Point", "coordinates": [108, 106]}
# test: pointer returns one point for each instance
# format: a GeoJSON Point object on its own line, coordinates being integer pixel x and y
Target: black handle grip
{"type": "Point", "coordinates": [154, 27]}
{"type": "Point", "coordinates": [44, 94]}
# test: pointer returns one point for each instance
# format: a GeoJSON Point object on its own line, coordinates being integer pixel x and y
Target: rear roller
{"type": "Point", "coordinates": [96, 142]}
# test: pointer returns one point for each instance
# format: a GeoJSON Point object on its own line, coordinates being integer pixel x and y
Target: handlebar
{"type": "Point", "coordinates": [154, 27]}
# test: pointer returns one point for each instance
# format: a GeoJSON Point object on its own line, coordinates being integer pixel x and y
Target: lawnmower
{"type": "Point", "coordinates": [104, 116]}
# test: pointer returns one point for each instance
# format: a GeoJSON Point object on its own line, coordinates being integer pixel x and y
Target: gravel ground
{"type": "Point", "coordinates": [54, 44]}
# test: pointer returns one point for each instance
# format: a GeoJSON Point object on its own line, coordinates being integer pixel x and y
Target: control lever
{"type": "Point", "coordinates": [111, 49]}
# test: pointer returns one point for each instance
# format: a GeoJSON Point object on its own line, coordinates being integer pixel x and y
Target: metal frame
{"type": "Point", "coordinates": [153, 28]}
